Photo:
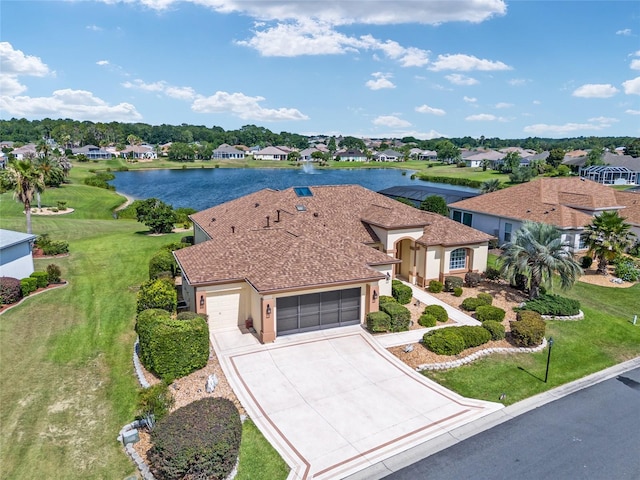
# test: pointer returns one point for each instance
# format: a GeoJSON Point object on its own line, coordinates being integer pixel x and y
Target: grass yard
{"type": "Point", "coordinates": [66, 376]}
{"type": "Point", "coordinates": [604, 338]}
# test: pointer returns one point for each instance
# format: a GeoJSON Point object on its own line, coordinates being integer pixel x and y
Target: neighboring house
{"type": "Point", "coordinates": [310, 258]}
{"type": "Point", "coordinates": [24, 152]}
{"type": "Point", "coordinates": [92, 152]}
{"type": "Point", "coordinates": [226, 151]}
{"type": "Point", "coordinates": [388, 156]}
{"type": "Point", "coordinates": [139, 152]}
{"type": "Point", "coordinates": [431, 155]}
{"type": "Point", "coordinates": [417, 193]}
{"type": "Point", "coordinates": [306, 154]}
{"type": "Point", "coordinates": [475, 160]}
{"type": "Point", "coordinates": [271, 153]}
{"type": "Point", "coordinates": [567, 203]}
{"type": "Point", "coordinates": [351, 155]}
{"type": "Point", "coordinates": [608, 175]}
{"type": "Point", "coordinates": [3, 160]}
{"type": "Point", "coordinates": [16, 258]}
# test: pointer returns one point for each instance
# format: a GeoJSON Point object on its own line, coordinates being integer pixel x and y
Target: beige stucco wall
{"type": "Point", "coordinates": [390, 237]}
{"type": "Point", "coordinates": [434, 257]}
{"type": "Point", "coordinates": [384, 285]}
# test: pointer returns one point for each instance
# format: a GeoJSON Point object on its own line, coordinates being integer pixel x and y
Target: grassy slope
{"type": "Point", "coordinates": [66, 376]}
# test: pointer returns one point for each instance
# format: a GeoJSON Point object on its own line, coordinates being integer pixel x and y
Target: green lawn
{"type": "Point", "coordinates": [66, 377]}
{"type": "Point", "coordinates": [604, 338]}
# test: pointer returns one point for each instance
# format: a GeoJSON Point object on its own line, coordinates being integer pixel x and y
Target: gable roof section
{"type": "Point", "coordinates": [558, 201]}
{"type": "Point", "coordinates": [8, 238]}
{"type": "Point", "coordinates": [631, 210]}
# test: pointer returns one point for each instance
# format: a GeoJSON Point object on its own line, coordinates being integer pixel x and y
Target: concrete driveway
{"type": "Point", "coordinates": [334, 402]}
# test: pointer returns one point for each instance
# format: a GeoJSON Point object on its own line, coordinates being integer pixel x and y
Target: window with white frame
{"type": "Point", "coordinates": [458, 259]}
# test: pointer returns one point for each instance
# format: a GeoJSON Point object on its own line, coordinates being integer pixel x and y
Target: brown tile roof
{"type": "Point", "coordinates": [631, 210]}
{"type": "Point", "coordinates": [307, 240]}
{"type": "Point", "coordinates": [557, 201]}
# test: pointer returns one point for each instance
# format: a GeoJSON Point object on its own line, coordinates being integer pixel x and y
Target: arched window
{"type": "Point", "coordinates": [458, 259]}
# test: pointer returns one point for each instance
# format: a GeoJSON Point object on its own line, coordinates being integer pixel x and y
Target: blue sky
{"type": "Point", "coordinates": [367, 68]}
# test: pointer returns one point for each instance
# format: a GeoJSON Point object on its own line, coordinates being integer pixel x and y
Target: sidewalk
{"type": "Point", "coordinates": [413, 336]}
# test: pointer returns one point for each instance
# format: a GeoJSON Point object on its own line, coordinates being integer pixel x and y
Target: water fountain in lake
{"type": "Point", "coordinates": [308, 168]}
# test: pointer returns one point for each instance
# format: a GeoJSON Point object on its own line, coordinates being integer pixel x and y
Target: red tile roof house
{"type": "Point", "coordinates": [310, 258]}
{"type": "Point", "coordinates": [567, 203]}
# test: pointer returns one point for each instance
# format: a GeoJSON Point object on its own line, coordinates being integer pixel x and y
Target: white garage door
{"type": "Point", "coordinates": [223, 309]}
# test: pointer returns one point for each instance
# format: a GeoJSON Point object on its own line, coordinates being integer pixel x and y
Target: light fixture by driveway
{"type": "Point", "coordinates": [202, 300]}
{"type": "Point", "coordinates": [268, 310]}
{"type": "Point", "coordinates": [388, 276]}
{"type": "Point", "coordinates": [550, 343]}
{"type": "Point", "coordinates": [375, 295]}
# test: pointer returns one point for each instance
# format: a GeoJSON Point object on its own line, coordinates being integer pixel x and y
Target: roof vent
{"type": "Point", "coordinates": [233, 229]}
{"type": "Point", "coordinates": [257, 205]}
{"type": "Point", "coordinates": [301, 208]}
{"type": "Point", "coordinates": [315, 214]}
{"type": "Point", "coordinates": [278, 217]}
{"type": "Point", "coordinates": [267, 221]}
{"type": "Point", "coordinates": [528, 211]}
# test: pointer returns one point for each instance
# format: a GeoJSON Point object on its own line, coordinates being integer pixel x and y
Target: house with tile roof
{"type": "Point", "coordinates": [318, 257]}
{"type": "Point", "coordinates": [567, 203]}
{"type": "Point", "coordinates": [388, 156]}
{"type": "Point", "coordinates": [226, 151]}
{"type": "Point", "coordinates": [92, 152]}
{"type": "Point", "coordinates": [351, 155]}
{"type": "Point", "coordinates": [272, 153]}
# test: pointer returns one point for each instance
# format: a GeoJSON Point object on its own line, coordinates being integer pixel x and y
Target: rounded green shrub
{"type": "Point", "coordinates": [445, 341]}
{"type": "Point", "coordinates": [435, 286]}
{"type": "Point", "coordinates": [489, 312]}
{"type": "Point", "coordinates": [586, 262]}
{"type": "Point", "coordinates": [473, 336]}
{"type": "Point", "coordinates": [400, 316]}
{"type": "Point", "coordinates": [470, 304]}
{"type": "Point", "coordinates": [626, 270]}
{"type": "Point", "coordinates": [156, 400]}
{"type": "Point", "coordinates": [528, 314]}
{"type": "Point", "coordinates": [472, 279]}
{"type": "Point", "coordinates": [495, 329]}
{"type": "Point", "coordinates": [378, 322]}
{"type": "Point", "coordinates": [457, 292]}
{"type": "Point", "coordinates": [28, 285]}
{"type": "Point", "coordinates": [42, 279]}
{"type": "Point", "coordinates": [385, 299]}
{"type": "Point", "coordinates": [10, 290]}
{"type": "Point", "coordinates": [437, 311]}
{"type": "Point", "coordinates": [158, 293]}
{"type": "Point", "coordinates": [451, 283]}
{"type": "Point", "coordinates": [485, 297]}
{"type": "Point", "coordinates": [54, 274]}
{"type": "Point", "coordinates": [527, 332]}
{"type": "Point", "coordinates": [162, 263]}
{"type": "Point", "coordinates": [401, 292]}
{"type": "Point", "coordinates": [198, 441]}
{"type": "Point", "coordinates": [189, 315]}
{"type": "Point", "coordinates": [427, 320]}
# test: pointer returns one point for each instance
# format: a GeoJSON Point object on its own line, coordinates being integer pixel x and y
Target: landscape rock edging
{"type": "Point", "coordinates": [566, 318]}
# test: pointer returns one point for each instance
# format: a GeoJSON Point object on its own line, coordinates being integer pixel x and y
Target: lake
{"type": "Point", "coordinates": [206, 187]}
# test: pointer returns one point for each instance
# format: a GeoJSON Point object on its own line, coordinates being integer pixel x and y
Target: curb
{"type": "Point", "coordinates": [446, 440]}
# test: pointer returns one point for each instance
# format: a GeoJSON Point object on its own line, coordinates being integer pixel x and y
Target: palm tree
{"type": "Point", "coordinates": [25, 179]}
{"type": "Point", "coordinates": [537, 252]}
{"type": "Point", "coordinates": [606, 237]}
{"type": "Point", "coordinates": [490, 186]}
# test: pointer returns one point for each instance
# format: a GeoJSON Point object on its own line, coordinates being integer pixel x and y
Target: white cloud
{"type": "Point", "coordinates": [517, 82]}
{"type": "Point", "coordinates": [180, 93]}
{"type": "Point", "coordinates": [391, 121]}
{"type": "Point", "coordinates": [595, 90]}
{"type": "Point", "coordinates": [15, 62]}
{"type": "Point", "coordinates": [632, 87]}
{"type": "Point", "coordinates": [94, 28]}
{"type": "Point", "coordinates": [353, 12]}
{"type": "Point", "coordinates": [458, 79]}
{"type": "Point", "coordinates": [245, 107]}
{"type": "Point", "coordinates": [626, 32]}
{"type": "Point", "coordinates": [470, 99]}
{"type": "Point", "coordinates": [10, 86]}
{"type": "Point", "coordinates": [102, 62]}
{"type": "Point", "coordinates": [67, 103]}
{"type": "Point", "coordinates": [485, 117]}
{"type": "Point", "coordinates": [381, 81]}
{"type": "Point", "coordinates": [635, 64]}
{"type": "Point", "coordinates": [632, 112]}
{"type": "Point", "coordinates": [503, 105]}
{"type": "Point", "coordinates": [603, 120]}
{"type": "Point", "coordinates": [566, 129]}
{"type": "Point", "coordinates": [465, 63]}
{"type": "Point", "coordinates": [427, 109]}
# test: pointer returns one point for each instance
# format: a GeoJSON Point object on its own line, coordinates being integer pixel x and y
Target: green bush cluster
{"type": "Point", "coordinates": [435, 286]}
{"type": "Point", "coordinates": [472, 279]}
{"type": "Point", "coordinates": [451, 283]}
{"type": "Point", "coordinates": [401, 292]}
{"type": "Point", "coordinates": [172, 348]}
{"type": "Point", "coordinates": [626, 269]}
{"type": "Point", "coordinates": [10, 290]}
{"type": "Point", "coordinates": [378, 322]}
{"type": "Point", "coordinates": [473, 336]}
{"type": "Point", "coordinates": [157, 293]}
{"type": "Point", "coordinates": [198, 441]}
{"type": "Point", "coordinates": [162, 264]}
{"type": "Point", "coordinates": [54, 274]}
{"type": "Point", "coordinates": [28, 285]}
{"type": "Point", "coordinates": [51, 247]}
{"type": "Point", "coordinates": [156, 400]}
{"type": "Point", "coordinates": [464, 182]}
{"type": "Point", "coordinates": [42, 279]}
{"type": "Point", "coordinates": [556, 305]}
{"type": "Point", "coordinates": [100, 180]}
{"type": "Point", "coordinates": [492, 273]}
{"type": "Point", "coordinates": [444, 341]}
{"type": "Point", "coordinates": [527, 332]}
{"type": "Point", "coordinates": [437, 311]}
{"type": "Point", "coordinates": [427, 320]}
{"type": "Point", "coordinates": [528, 315]}
{"type": "Point", "coordinates": [489, 313]}
{"type": "Point", "coordinates": [400, 316]}
{"type": "Point", "coordinates": [496, 329]}
{"type": "Point", "coordinates": [384, 299]}
{"type": "Point", "coordinates": [472, 303]}
{"type": "Point", "coordinates": [457, 292]}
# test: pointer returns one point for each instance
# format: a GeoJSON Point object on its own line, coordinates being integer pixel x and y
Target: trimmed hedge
{"type": "Point", "coordinates": [400, 316]}
{"type": "Point", "coordinates": [445, 341]}
{"type": "Point", "coordinates": [527, 332]}
{"type": "Point", "coordinates": [451, 283]}
{"type": "Point", "coordinates": [158, 293]}
{"type": "Point", "coordinates": [472, 303]}
{"type": "Point", "coordinates": [42, 279]}
{"type": "Point", "coordinates": [472, 279]}
{"type": "Point", "coordinates": [485, 297]}
{"type": "Point", "coordinates": [437, 311]}
{"type": "Point", "coordinates": [489, 312]}
{"type": "Point", "coordinates": [473, 336]}
{"type": "Point", "coordinates": [385, 299]}
{"type": "Point", "coordinates": [401, 292]}
{"type": "Point", "coordinates": [549, 304]}
{"type": "Point", "coordinates": [189, 315]}
{"type": "Point", "coordinates": [457, 292]}
{"type": "Point", "coordinates": [378, 322]}
{"type": "Point", "coordinates": [528, 314]}
{"type": "Point", "coordinates": [198, 441]}
{"type": "Point", "coordinates": [10, 290]}
{"type": "Point", "coordinates": [28, 285]}
{"type": "Point", "coordinates": [172, 348]}
{"type": "Point", "coordinates": [161, 264]}
{"type": "Point", "coordinates": [427, 320]}
{"type": "Point", "coordinates": [496, 329]}
{"type": "Point", "coordinates": [435, 286]}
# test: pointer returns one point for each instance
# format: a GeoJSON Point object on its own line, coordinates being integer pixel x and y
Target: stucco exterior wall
{"type": "Point", "coordinates": [434, 256]}
{"type": "Point", "coordinates": [16, 261]}
{"type": "Point", "coordinates": [198, 235]}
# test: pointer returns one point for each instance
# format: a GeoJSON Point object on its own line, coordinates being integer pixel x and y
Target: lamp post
{"type": "Point", "coordinates": [550, 343]}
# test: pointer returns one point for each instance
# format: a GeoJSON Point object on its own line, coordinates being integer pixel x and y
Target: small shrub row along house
{"type": "Point", "coordinates": [319, 257]}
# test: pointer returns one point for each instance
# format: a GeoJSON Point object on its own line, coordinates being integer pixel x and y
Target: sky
{"type": "Point", "coordinates": [366, 68]}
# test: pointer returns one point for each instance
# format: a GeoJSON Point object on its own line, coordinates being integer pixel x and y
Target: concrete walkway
{"type": "Point", "coordinates": [334, 402]}
{"type": "Point", "coordinates": [414, 336]}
